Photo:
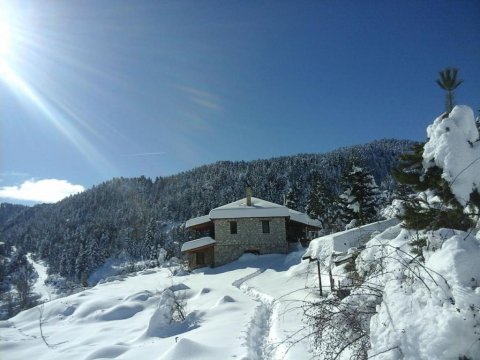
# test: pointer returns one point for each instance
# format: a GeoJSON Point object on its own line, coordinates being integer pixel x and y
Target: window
{"type": "Point", "coordinates": [233, 227]}
{"type": "Point", "coordinates": [266, 226]}
{"type": "Point", "coordinates": [200, 258]}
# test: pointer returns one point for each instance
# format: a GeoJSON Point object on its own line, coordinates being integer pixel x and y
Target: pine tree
{"type": "Point", "coordinates": [291, 200]}
{"type": "Point", "coordinates": [23, 286]}
{"type": "Point", "coordinates": [65, 269]}
{"type": "Point", "coordinates": [419, 213]}
{"type": "Point", "coordinates": [360, 199]}
{"type": "Point", "coordinates": [321, 205]}
{"type": "Point", "coordinates": [81, 266]}
{"type": "Point", "coordinates": [94, 252]}
{"type": "Point", "coordinates": [409, 172]}
{"type": "Point", "coordinates": [151, 250]}
{"type": "Point", "coordinates": [448, 81]}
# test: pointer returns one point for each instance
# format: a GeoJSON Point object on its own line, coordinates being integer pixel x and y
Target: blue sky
{"type": "Point", "coordinates": [91, 90]}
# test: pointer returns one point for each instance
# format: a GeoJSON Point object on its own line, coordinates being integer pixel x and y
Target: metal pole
{"type": "Point", "coordinates": [319, 278]}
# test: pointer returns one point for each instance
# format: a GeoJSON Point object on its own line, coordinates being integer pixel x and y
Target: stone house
{"type": "Point", "coordinates": [248, 225]}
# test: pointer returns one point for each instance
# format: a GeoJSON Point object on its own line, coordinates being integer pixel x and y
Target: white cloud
{"type": "Point", "coordinates": [46, 190]}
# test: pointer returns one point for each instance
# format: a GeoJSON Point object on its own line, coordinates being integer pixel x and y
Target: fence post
{"type": "Point", "coordinates": [332, 282]}
{"type": "Point", "coordinates": [319, 277]}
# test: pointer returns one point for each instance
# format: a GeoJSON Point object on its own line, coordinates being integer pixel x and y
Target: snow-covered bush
{"type": "Point", "coordinates": [446, 172]}
{"type": "Point", "coordinates": [402, 305]}
{"type": "Point", "coordinates": [170, 315]}
{"type": "Point", "coordinates": [429, 310]}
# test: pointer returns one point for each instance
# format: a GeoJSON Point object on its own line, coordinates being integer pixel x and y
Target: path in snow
{"type": "Point", "coordinates": [259, 326]}
{"type": "Point", "coordinates": [40, 287]}
{"type": "Point", "coordinates": [239, 282]}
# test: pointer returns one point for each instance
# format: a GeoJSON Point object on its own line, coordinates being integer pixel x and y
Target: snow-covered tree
{"type": "Point", "coordinates": [445, 173]}
{"type": "Point", "coordinates": [150, 246]}
{"type": "Point", "coordinates": [81, 266]}
{"type": "Point", "coordinates": [117, 212]}
{"type": "Point", "coordinates": [322, 205]}
{"type": "Point", "coordinates": [21, 280]}
{"type": "Point", "coordinates": [291, 200]}
{"type": "Point", "coordinates": [359, 201]}
{"type": "Point", "coordinates": [95, 252]}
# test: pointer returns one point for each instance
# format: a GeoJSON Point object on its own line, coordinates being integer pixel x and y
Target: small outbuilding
{"type": "Point", "coordinates": [248, 225]}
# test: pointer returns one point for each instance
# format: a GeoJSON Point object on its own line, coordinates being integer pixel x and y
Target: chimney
{"type": "Point", "coordinates": [248, 192]}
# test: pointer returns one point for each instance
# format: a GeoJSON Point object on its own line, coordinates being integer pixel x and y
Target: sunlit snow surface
{"type": "Point", "coordinates": [428, 310]}
{"type": "Point", "coordinates": [453, 145]}
{"type": "Point", "coordinates": [234, 311]}
{"type": "Point", "coordinates": [249, 309]}
{"type": "Point", "coordinates": [433, 318]}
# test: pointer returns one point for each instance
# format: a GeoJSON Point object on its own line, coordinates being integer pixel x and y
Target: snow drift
{"type": "Point", "coordinates": [454, 146]}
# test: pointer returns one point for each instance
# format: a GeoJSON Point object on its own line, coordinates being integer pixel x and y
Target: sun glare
{"type": "Point", "coordinates": [21, 50]}
{"type": "Point", "coordinates": [5, 39]}
{"type": "Point", "coordinates": [6, 33]}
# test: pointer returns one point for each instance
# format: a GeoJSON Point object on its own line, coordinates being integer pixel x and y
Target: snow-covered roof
{"type": "Point", "coordinates": [197, 221]}
{"type": "Point", "coordinates": [198, 243]}
{"type": "Point", "coordinates": [259, 208]}
{"type": "Point", "coordinates": [239, 209]}
{"type": "Point", "coordinates": [303, 218]}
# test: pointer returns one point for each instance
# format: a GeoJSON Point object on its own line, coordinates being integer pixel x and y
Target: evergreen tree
{"type": "Point", "coordinates": [81, 266]}
{"type": "Point", "coordinates": [94, 253]}
{"type": "Point", "coordinates": [448, 81]}
{"type": "Point", "coordinates": [133, 248]}
{"type": "Point", "coordinates": [403, 192]}
{"type": "Point", "coordinates": [419, 212]}
{"type": "Point", "coordinates": [21, 280]}
{"type": "Point", "coordinates": [321, 205]}
{"type": "Point", "coordinates": [116, 212]}
{"type": "Point", "coordinates": [150, 247]}
{"type": "Point", "coordinates": [291, 200]}
{"type": "Point", "coordinates": [359, 201]}
{"type": "Point", "coordinates": [409, 171]}
{"type": "Point", "coordinates": [65, 268]}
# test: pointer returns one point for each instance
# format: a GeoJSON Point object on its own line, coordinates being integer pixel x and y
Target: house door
{"type": "Point", "coordinates": [200, 258]}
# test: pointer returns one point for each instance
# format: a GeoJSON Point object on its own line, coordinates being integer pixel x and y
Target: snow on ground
{"type": "Point", "coordinates": [39, 287]}
{"type": "Point", "coordinates": [252, 308]}
{"type": "Point", "coordinates": [430, 310]}
{"type": "Point", "coordinates": [242, 310]}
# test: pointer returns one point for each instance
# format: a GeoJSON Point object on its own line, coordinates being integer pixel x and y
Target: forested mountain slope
{"type": "Point", "coordinates": [130, 214]}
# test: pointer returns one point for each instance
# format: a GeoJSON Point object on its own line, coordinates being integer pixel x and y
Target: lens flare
{"type": "Point", "coordinates": [5, 39]}
{"type": "Point", "coordinates": [26, 68]}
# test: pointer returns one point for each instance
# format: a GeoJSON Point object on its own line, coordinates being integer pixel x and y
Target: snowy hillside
{"type": "Point", "coordinates": [254, 308]}
{"type": "Point", "coordinates": [242, 310]}
{"type": "Point", "coordinates": [112, 219]}
{"type": "Point", "coordinates": [389, 292]}
{"type": "Point", "coordinates": [413, 294]}
{"type": "Point", "coordinates": [403, 307]}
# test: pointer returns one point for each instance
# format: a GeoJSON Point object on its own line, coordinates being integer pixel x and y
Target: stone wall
{"type": "Point", "coordinates": [208, 254]}
{"type": "Point", "coordinates": [249, 237]}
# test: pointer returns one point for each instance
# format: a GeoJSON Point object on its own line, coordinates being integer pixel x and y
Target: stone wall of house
{"type": "Point", "coordinates": [208, 257]}
{"type": "Point", "coordinates": [249, 237]}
